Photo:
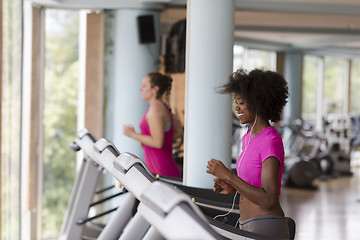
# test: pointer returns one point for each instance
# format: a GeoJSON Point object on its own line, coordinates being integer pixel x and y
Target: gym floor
{"type": "Point", "coordinates": [332, 211]}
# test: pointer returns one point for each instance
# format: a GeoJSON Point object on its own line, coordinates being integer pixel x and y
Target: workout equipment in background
{"type": "Point", "coordinates": [327, 151]}
{"type": "Point", "coordinates": [301, 148]}
{"type": "Point", "coordinates": [338, 148]}
{"type": "Point", "coordinates": [354, 131]}
{"type": "Point", "coordinates": [167, 210]}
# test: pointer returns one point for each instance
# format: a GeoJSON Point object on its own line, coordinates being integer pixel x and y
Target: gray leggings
{"type": "Point", "coordinates": [268, 225]}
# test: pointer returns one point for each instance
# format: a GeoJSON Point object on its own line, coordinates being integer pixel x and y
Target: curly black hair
{"type": "Point", "coordinates": [265, 92]}
{"type": "Point", "coordinates": [163, 81]}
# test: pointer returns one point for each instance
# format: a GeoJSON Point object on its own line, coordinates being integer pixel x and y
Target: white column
{"type": "Point", "coordinates": [132, 61]}
{"type": "Point", "coordinates": [293, 75]}
{"type": "Point", "coordinates": [209, 58]}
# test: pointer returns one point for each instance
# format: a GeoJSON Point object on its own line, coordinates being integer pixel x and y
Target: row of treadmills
{"type": "Point", "coordinates": [152, 207]}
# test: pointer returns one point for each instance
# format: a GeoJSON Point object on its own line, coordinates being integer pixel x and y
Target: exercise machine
{"type": "Point", "coordinates": [133, 174]}
{"type": "Point", "coordinates": [177, 212]}
{"type": "Point", "coordinates": [337, 132]}
{"type": "Point", "coordinates": [77, 224]}
{"type": "Point", "coordinates": [301, 164]}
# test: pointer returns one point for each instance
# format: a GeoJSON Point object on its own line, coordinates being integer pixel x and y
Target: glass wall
{"type": "Point", "coordinates": [334, 74]}
{"type": "Point", "coordinates": [309, 88]}
{"type": "Point", "coordinates": [253, 58]}
{"type": "Point", "coordinates": [60, 115]}
{"type": "Point", "coordinates": [238, 57]}
{"type": "Point", "coordinates": [334, 83]}
{"type": "Point", "coordinates": [354, 87]}
{"type": "Point", "coordinates": [11, 119]}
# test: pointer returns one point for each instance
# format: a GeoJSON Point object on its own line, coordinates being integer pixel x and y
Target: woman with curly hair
{"type": "Point", "coordinates": [260, 97]}
{"type": "Point", "coordinates": [157, 130]}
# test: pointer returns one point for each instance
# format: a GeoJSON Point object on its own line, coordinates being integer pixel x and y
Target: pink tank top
{"type": "Point", "coordinates": [267, 143]}
{"type": "Point", "coordinates": [160, 161]}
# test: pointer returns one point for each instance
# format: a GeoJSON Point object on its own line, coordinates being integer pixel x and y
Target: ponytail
{"type": "Point", "coordinates": [163, 81]}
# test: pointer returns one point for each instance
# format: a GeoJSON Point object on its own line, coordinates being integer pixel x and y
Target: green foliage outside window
{"type": "Point", "coordinates": [334, 80]}
{"type": "Point", "coordinates": [354, 87]}
{"type": "Point", "coordinates": [253, 58]}
{"type": "Point", "coordinates": [11, 85]}
{"type": "Point", "coordinates": [60, 116]}
{"type": "Point", "coordinates": [260, 59]}
{"type": "Point", "coordinates": [334, 84]}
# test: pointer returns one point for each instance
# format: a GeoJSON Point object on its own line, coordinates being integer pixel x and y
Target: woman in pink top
{"type": "Point", "coordinates": [260, 97]}
{"type": "Point", "coordinates": [156, 126]}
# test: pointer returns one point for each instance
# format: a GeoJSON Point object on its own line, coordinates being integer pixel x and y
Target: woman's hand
{"type": "Point", "coordinates": [128, 130]}
{"type": "Point", "coordinates": [220, 186]}
{"type": "Point", "coordinates": [218, 169]}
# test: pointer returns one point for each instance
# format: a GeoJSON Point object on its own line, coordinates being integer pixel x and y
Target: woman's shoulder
{"type": "Point", "coordinates": [270, 130]}
{"type": "Point", "coordinates": [158, 108]}
{"type": "Point", "coordinates": [271, 134]}
{"type": "Point", "coordinates": [161, 106]}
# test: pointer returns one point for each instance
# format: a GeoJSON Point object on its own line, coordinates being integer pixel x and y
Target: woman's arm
{"type": "Point", "coordinates": [264, 196]}
{"type": "Point", "coordinates": [156, 120]}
